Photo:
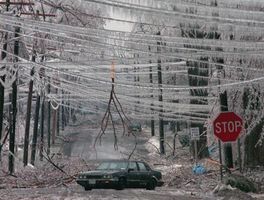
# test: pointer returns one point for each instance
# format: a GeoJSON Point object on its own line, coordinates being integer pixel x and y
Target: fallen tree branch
{"type": "Point", "coordinates": [155, 147]}
{"type": "Point", "coordinates": [130, 155]}
{"type": "Point", "coordinates": [47, 157]}
{"type": "Point", "coordinates": [108, 114]}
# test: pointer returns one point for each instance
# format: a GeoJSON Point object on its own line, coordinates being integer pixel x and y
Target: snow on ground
{"type": "Point", "coordinates": [152, 145]}
{"type": "Point", "coordinates": [177, 174]}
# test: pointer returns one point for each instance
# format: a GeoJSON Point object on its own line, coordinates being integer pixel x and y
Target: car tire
{"type": "Point", "coordinates": [151, 185]}
{"type": "Point", "coordinates": [86, 188]}
{"type": "Point", "coordinates": [121, 184]}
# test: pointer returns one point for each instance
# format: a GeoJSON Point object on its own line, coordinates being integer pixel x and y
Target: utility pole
{"type": "Point", "coordinates": [228, 146]}
{"type": "Point", "coordinates": [29, 103]}
{"type": "Point", "coordinates": [12, 122]}
{"type": "Point", "coordinates": [54, 125]}
{"type": "Point", "coordinates": [55, 111]}
{"type": "Point", "coordinates": [58, 121]}
{"type": "Point", "coordinates": [42, 128]}
{"type": "Point", "coordinates": [62, 112]}
{"type": "Point", "coordinates": [35, 135]}
{"type": "Point", "coordinates": [2, 100]}
{"type": "Point", "coordinates": [49, 116]}
{"type": "Point", "coordinates": [152, 123]}
{"type": "Point", "coordinates": [13, 106]}
{"type": "Point", "coordinates": [2, 88]}
{"type": "Point", "coordinates": [68, 109]}
{"type": "Point", "coordinates": [42, 75]}
{"type": "Point", "coordinates": [161, 123]}
{"type": "Point", "coordinates": [135, 80]}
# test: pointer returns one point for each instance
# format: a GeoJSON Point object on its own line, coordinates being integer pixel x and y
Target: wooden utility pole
{"type": "Point", "coordinates": [152, 123]}
{"type": "Point", "coordinates": [2, 88]}
{"type": "Point", "coordinates": [35, 134]}
{"type": "Point", "coordinates": [41, 75]}
{"type": "Point", "coordinates": [58, 121]}
{"type": "Point", "coordinates": [29, 103]}
{"type": "Point", "coordinates": [54, 125]}
{"type": "Point", "coordinates": [42, 128]}
{"type": "Point", "coordinates": [135, 80]}
{"type": "Point", "coordinates": [12, 124]}
{"type": "Point", "coordinates": [62, 116]}
{"type": "Point", "coordinates": [161, 123]}
{"type": "Point", "coordinates": [62, 112]}
{"type": "Point", "coordinates": [13, 99]}
{"type": "Point", "coordinates": [2, 100]}
{"type": "Point", "coordinates": [68, 110]}
{"type": "Point", "coordinates": [48, 121]}
{"type": "Point", "coordinates": [54, 121]}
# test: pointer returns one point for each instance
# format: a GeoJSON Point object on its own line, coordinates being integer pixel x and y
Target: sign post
{"type": "Point", "coordinates": [227, 127]}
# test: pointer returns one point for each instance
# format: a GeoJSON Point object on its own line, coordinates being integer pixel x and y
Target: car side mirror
{"type": "Point", "coordinates": [130, 170]}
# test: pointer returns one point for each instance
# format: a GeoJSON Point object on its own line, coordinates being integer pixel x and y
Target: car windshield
{"type": "Point", "coordinates": [112, 166]}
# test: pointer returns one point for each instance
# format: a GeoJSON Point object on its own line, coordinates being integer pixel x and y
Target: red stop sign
{"type": "Point", "coordinates": [227, 126]}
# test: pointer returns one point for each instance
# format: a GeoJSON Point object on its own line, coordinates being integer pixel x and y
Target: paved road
{"type": "Point", "coordinates": [82, 145]}
{"type": "Point", "coordinates": [74, 192]}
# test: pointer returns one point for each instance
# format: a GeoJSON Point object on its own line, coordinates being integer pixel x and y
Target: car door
{"type": "Point", "coordinates": [143, 174]}
{"type": "Point", "coordinates": [132, 175]}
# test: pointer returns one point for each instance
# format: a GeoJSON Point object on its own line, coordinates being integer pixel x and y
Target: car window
{"type": "Point", "coordinates": [103, 166]}
{"type": "Point", "coordinates": [112, 166]}
{"type": "Point", "coordinates": [142, 167]}
{"type": "Point", "coordinates": [117, 165]}
{"type": "Point", "coordinates": [133, 165]}
{"type": "Point", "coordinates": [123, 165]}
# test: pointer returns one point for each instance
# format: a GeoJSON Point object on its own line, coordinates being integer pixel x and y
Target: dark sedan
{"type": "Point", "coordinates": [121, 174]}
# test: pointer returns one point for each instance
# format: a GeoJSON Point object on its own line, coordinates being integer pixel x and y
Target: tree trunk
{"type": "Point", "coordinates": [254, 153]}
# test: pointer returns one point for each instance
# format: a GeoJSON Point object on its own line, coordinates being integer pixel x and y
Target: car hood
{"type": "Point", "coordinates": [99, 172]}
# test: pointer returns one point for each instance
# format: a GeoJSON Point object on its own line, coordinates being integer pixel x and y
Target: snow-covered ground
{"type": "Point", "coordinates": [47, 181]}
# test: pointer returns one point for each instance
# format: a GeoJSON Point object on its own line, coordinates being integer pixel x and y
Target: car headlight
{"type": "Point", "coordinates": [82, 176]}
{"type": "Point", "coordinates": [108, 176]}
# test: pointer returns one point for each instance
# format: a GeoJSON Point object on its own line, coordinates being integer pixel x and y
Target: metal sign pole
{"type": "Point", "coordinates": [195, 136]}
{"type": "Point", "coordinates": [220, 159]}
{"type": "Point", "coordinates": [195, 151]}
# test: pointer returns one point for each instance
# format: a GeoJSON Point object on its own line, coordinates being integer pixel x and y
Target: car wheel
{"type": "Point", "coordinates": [151, 184]}
{"type": "Point", "coordinates": [121, 184]}
{"type": "Point", "coordinates": [86, 188]}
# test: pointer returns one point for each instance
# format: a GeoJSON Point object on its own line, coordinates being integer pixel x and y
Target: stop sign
{"type": "Point", "coordinates": [227, 126]}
